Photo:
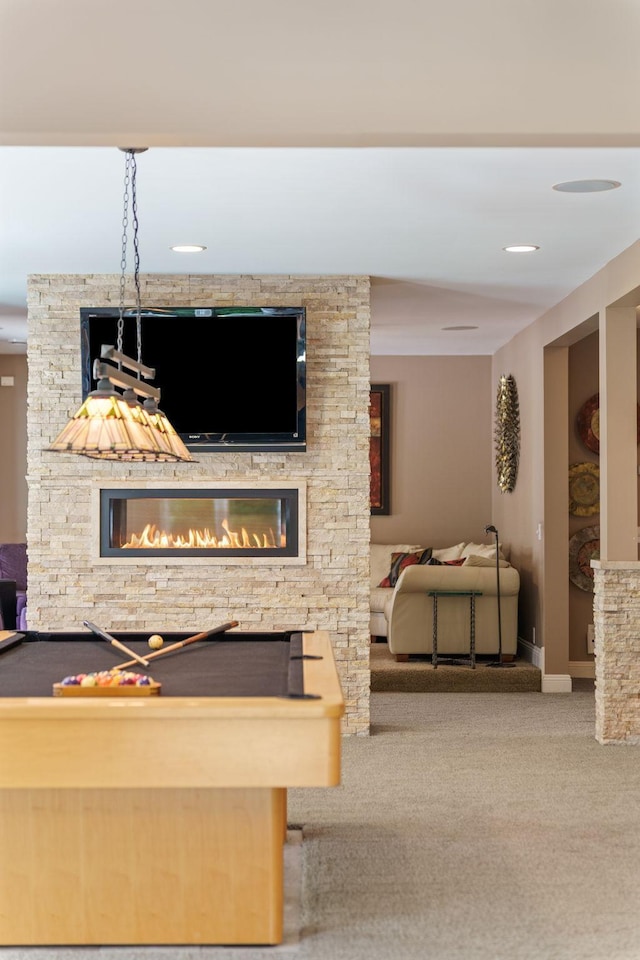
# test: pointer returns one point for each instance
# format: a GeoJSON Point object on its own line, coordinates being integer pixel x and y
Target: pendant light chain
{"type": "Point", "coordinates": [136, 256]}
{"type": "Point", "coordinates": [123, 258]}
{"type": "Point", "coordinates": [130, 171]}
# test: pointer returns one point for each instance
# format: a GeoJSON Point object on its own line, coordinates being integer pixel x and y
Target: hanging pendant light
{"type": "Point", "coordinates": [118, 426]}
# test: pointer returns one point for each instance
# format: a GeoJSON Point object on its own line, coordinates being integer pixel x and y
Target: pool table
{"type": "Point", "coordinates": [158, 819]}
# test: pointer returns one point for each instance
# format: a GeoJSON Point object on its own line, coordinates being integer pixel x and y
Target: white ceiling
{"type": "Point", "coordinates": [406, 141]}
{"type": "Point", "coordinates": [427, 224]}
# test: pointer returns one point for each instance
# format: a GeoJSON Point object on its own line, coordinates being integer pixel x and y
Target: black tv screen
{"type": "Point", "coordinates": [231, 378]}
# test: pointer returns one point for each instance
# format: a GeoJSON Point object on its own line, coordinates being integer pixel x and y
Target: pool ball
{"type": "Point", "coordinates": [156, 641]}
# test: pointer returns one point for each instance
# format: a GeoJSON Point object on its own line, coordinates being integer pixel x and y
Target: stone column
{"type": "Point", "coordinates": [616, 615]}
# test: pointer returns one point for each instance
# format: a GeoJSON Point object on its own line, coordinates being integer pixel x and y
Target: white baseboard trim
{"type": "Point", "coordinates": [556, 683]}
{"type": "Point", "coordinates": [583, 669]}
{"type": "Point", "coordinates": [551, 682]}
{"type": "Point", "coordinates": [528, 651]}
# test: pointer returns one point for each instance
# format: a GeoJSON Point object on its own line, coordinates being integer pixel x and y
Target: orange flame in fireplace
{"type": "Point", "coordinates": [152, 538]}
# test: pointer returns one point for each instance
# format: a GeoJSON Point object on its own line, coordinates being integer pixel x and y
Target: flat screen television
{"type": "Point", "coordinates": [231, 378]}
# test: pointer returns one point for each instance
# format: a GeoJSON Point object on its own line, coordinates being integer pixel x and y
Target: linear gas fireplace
{"type": "Point", "coordinates": [214, 523]}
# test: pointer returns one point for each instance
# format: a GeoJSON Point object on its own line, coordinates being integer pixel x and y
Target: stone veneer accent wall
{"type": "Point", "coordinates": [616, 618]}
{"type": "Point", "coordinates": [330, 592]}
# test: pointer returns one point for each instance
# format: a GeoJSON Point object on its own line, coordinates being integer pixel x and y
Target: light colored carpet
{"type": "Point", "coordinates": [418, 676]}
{"type": "Point", "coordinates": [490, 827]}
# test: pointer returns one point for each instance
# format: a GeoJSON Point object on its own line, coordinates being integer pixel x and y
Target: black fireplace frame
{"type": "Point", "coordinates": [289, 496]}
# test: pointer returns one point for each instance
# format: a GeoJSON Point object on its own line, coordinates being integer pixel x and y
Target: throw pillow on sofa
{"type": "Point", "coordinates": [482, 550]}
{"type": "Point", "coordinates": [399, 562]}
{"type": "Point", "coordinates": [475, 561]}
{"type": "Point", "coordinates": [380, 558]}
{"type": "Point", "coordinates": [449, 553]}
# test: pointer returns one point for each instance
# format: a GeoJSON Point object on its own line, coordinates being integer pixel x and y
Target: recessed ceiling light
{"type": "Point", "coordinates": [460, 327]}
{"type": "Point", "coordinates": [586, 186]}
{"type": "Point", "coordinates": [521, 248]}
{"type": "Point", "coordinates": [188, 248]}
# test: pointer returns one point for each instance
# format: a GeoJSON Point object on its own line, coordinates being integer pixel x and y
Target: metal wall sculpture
{"type": "Point", "coordinates": [507, 433]}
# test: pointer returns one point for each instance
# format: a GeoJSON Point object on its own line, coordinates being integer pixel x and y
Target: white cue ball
{"type": "Point", "coordinates": [156, 641]}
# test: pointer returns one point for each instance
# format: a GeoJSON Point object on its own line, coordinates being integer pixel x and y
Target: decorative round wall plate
{"type": "Point", "coordinates": [584, 546]}
{"type": "Point", "coordinates": [588, 423]}
{"type": "Point", "coordinates": [584, 489]}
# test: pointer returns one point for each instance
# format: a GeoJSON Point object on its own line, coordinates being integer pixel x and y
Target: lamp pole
{"type": "Point", "coordinates": [499, 662]}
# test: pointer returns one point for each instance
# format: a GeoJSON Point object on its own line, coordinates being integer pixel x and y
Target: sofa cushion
{"type": "Point", "coordinates": [380, 597]}
{"type": "Point", "coordinates": [401, 560]}
{"type": "Point", "coordinates": [380, 558]}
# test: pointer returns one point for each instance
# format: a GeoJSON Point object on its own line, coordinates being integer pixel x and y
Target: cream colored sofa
{"type": "Point", "coordinates": [404, 614]}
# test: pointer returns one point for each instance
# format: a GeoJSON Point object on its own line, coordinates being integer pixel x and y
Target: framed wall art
{"type": "Point", "coordinates": [379, 448]}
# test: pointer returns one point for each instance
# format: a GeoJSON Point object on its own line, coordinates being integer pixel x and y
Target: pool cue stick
{"type": "Point", "coordinates": [116, 643]}
{"type": "Point", "coordinates": [183, 643]}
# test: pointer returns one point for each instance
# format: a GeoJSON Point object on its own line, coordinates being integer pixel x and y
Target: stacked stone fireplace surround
{"type": "Point", "coordinates": [329, 591]}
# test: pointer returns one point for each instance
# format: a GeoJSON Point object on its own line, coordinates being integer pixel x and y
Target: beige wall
{"type": "Point", "coordinates": [538, 358]}
{"type": "Point", "coordinates": [13, 450]}
{"type": "Point", "coordinates": [516, 514]}
{"type": "Point", "coordinates": [441, 449]}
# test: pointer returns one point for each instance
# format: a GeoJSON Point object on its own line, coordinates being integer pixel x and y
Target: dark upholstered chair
{"type": "Point", "coordinates": [13, 586]}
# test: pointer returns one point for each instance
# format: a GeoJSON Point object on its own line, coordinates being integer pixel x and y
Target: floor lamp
{"type": "Point", "coordinates": [499, 662]}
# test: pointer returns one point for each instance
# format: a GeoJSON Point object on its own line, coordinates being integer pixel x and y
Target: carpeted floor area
{"type": "Point", "coordinates": [418, 675]}
{"type": "Point", "coordinates": [491, 827]}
